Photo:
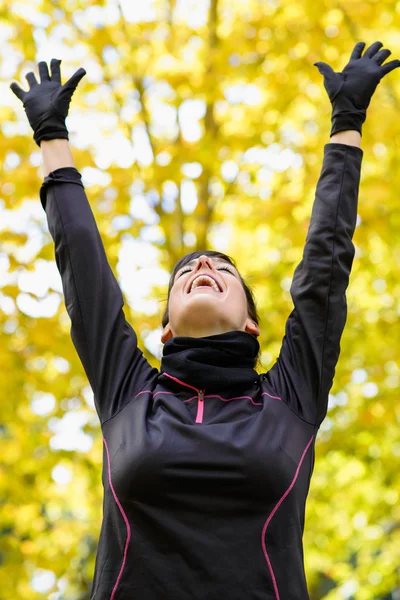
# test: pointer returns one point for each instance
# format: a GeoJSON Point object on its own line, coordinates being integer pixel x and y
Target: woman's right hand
{"type": "Point", "coordinates": [47, 103]}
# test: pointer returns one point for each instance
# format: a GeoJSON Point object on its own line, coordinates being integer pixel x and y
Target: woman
{"type": "Point", "coordinates": [207, 464]}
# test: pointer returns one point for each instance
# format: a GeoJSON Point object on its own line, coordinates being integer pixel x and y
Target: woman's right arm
{"type": "Point", "coordinates": [104, 340]}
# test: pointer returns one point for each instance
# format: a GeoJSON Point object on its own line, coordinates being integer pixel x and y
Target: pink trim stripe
{"type": "Point", "coordinates": [224, 399]}
{"type": "Point", "coordinates": [275, 397]}
{"type": "Point", "coordinates": [190, 399]}
{"type": "Point", "coordinates": [181, 382]}
{"type": "Point", "coordinates": [152, 393]}
{"type": "Point", "coordinates": [143, 392]}
{"type": "Point", "coordinates": [236, 398]}
{"type": "Point", "coordinates": [193, 388]}
{"type": "Point", "coordinates": [128, 537]}
{"type": "Point", "coordinates": [272, 514]}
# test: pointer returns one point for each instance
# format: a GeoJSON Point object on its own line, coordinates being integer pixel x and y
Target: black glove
{"type": "Point", "coordinates": [46, 104]}
{"type": "Point", "coordinates": [350, 92]}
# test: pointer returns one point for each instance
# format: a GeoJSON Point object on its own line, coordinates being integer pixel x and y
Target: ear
{"type": "Point", "coordinates": [166, 334]}
{"type": "Point", "coordinates": [252, 327]}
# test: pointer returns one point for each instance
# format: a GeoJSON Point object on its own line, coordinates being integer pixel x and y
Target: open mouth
{"type": "Point", "coordinates": [204, 282]}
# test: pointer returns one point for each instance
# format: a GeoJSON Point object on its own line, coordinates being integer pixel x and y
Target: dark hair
{"type": "Point", "coordinates": [251, 303]}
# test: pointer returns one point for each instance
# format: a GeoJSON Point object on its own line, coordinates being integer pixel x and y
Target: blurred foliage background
{"type": "Point", "coordinates": [199, 124]}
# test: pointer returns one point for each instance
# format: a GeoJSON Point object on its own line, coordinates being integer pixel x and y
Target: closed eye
{"type": "Point", "coordinates": [218, 269]}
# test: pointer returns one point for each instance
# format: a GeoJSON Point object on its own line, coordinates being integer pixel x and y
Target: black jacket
{"type": "Point", "coordinates": [205, 498]}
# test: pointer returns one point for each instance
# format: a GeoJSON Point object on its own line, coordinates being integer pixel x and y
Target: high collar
{"type": "Point", "coordinates": [211, 363]}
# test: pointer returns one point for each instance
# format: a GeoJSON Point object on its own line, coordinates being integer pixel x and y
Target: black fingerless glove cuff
{"type": "Point", "coordinates": [61, 175]}
{"type": "Point", "coordinates": [50, 128]}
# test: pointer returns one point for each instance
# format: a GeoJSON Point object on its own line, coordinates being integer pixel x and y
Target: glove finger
{"type": "Point", "coordinates": [31, 79]}
{"type": "Point", "coordinates": [19, 92]}
{"type": "Point", "coordinates": [55, 69]}
{"type": "Point", "coordinates": [74, 80]}
{"type": "Point", "coordinates": [357, 51]}
{"type": "Point", "coordinates": [373, 49]}
{"type": "Point", "coordinates": [325, 69]}
{"type": "Point", "coordinates": [393, 64]}
{"type": "Point", "coordinates": [43, 71]}
{"type": "Point", "coordinates": [381, 56]}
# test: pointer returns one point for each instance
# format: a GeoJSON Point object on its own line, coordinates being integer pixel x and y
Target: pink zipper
{"type": "Point", "coordinates": [200, 404]}
{"type": "Point", "coordinates": [200, 407]}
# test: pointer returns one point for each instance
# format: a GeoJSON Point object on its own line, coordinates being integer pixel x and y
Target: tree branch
{"type": "Point", "coordinates": [205, 208]}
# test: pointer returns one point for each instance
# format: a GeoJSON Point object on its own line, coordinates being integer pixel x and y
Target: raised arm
{"type": "Point", "coordinates": [104, 340]}
{"type": "Point", "coordinates": [304, 371]}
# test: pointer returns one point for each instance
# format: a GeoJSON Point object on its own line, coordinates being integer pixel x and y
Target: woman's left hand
{"type": "Point", "coordinates": [350, 91]}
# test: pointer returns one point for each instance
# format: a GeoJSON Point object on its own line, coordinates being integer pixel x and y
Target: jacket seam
{"type": "Point", "coordinates": [298, 416]}
{"type": "Point", "coordinates": [330, 287]}
{"type": "Point", "coordinates": [125, 405]}
{"type": "Point", "coordinates": [272, 514]}
{"type": "Point", "coordinates": [125, 518]}
{"type": "Point", "coordinates": [286, 404]}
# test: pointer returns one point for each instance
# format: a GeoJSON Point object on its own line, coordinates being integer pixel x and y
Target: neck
{"type": "Point", "coordinates": [213, 362]}
{"type": "Point", "coordinates": [200, 332]}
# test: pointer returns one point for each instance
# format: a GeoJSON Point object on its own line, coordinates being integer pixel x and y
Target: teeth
{"type": "Point", "coordinates": [202, 279]}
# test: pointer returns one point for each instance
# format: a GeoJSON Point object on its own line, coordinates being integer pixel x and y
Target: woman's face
{"type": "Point", "coordinates": [203, 311]}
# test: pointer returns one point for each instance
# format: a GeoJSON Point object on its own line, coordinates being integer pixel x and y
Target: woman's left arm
{"type": "Point", "coordinates": [351, 138]}
{"type": "Point", "coordinates": [304, 371]}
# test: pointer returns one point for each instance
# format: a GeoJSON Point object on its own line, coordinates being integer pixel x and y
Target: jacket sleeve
{"type": "Point", "coordinates": [304, 371]}
{"type": "Point", "coordinates": [104, 340]}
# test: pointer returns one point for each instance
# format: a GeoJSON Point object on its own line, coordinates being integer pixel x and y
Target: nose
{"type": "Point", "coordinates": [204, 262]}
